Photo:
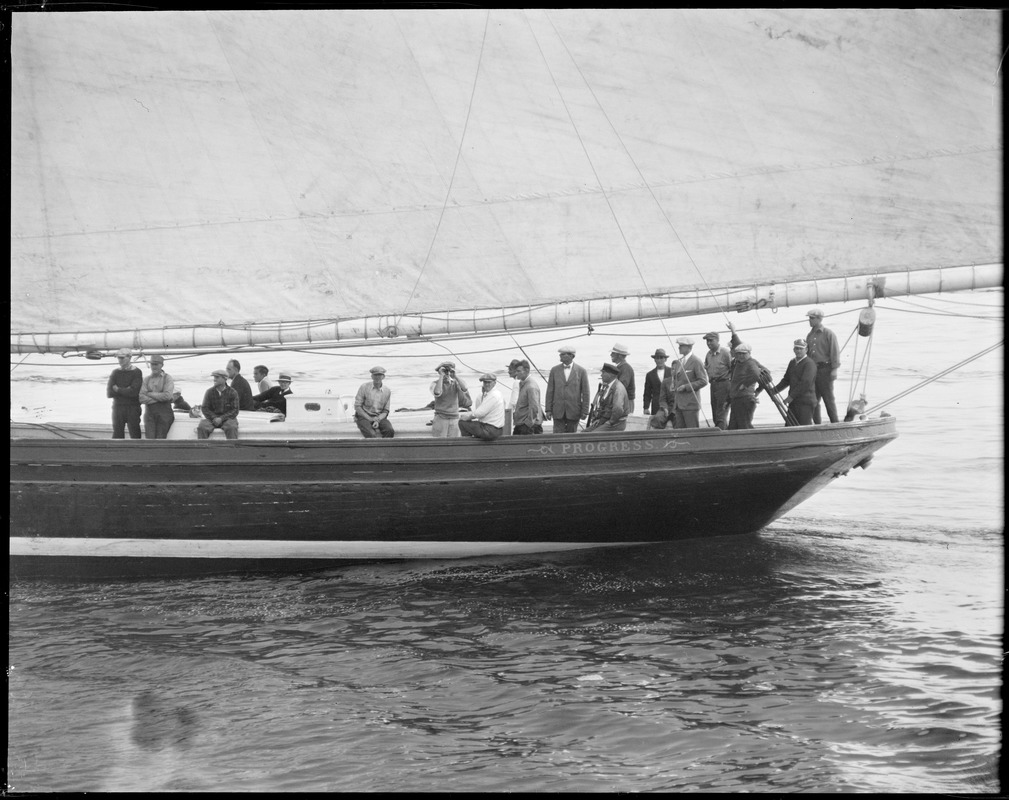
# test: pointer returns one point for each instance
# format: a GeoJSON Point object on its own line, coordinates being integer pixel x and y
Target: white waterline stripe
{"type": "Point", "coordinates": [277, 549]}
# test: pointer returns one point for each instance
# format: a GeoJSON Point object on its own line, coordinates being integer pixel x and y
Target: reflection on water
{"type": "Point", "coordinates": [795, 660]}
{"type": "Point", "coordinates": [159, 724]}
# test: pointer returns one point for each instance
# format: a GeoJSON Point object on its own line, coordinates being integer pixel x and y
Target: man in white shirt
{"type": "Point", "coordinates": [486, 420]}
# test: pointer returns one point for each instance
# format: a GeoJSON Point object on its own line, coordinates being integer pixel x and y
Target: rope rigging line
{"type": "Point", "coordinates": [588, 159]}
{"type": "Point", "coordinates": [644, 182]}
{"type": "Point", "coordinates": [935, 377]}
{"type": "Point", "coordinates": [455, 169]}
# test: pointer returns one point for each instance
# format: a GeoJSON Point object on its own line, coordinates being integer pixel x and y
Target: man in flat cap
{"type": "Point", "coordinates": [274, 399]}
{"type": "Point", "coordinates": [717, 362]}
{"type": "Point", "coordinates": [567, 397]}
{"type": "Point", "coordinates": [653, 382]}
{"type": "Point", "coordinates": [371, 407]}
{"type": "Point", "coordinates": [742, 387]}
{"type": "Point", "coordinates": [450, 394]}
{"type": "Point", "coordinates": [680, 402]}
{"type": "Point", "coordinates": [156, 393]}
{"type": "Point", "coordinates": [611, 405]}
{"type": "Point", "coordinates": [618, 356]}
{"type": "Point", "coordinates": [486, 420]}
{"type": "Point", "coordinates": [220, 408]}
{"type": "Point", "coordinates": [800, 378]}
{"type": "Point", "coordinates": [822, 348]}
{"type": "Point", "coordinates": [124, 389]}
{"type": "Point", "coordinates": [528, 417]}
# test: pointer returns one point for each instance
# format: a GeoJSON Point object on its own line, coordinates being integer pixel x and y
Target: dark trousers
{"type": "Point", "coordinates": [526, 430]}
{"type": "Point", "coordinates": [385, 429]}
{"type": "Point", "coordinates": [123, 417]}
{"type": "Point", "coordinates": [481, 430]}
{"type": "Point", "coordinates": [720, 403]}
{"type": "Point", "coordinates": [741, 412]}
{"type": "Point", "coordinates": [825, 392]}
{"type": "Point", "coordinates": [803, 413]}
{"type": "Point", "coordinates": [564, 425]}
{"type": "Point", "coordinates": [158, 419]}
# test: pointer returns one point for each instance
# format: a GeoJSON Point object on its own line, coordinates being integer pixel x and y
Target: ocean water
{"type": "Point", "coordinates": [853, 646]}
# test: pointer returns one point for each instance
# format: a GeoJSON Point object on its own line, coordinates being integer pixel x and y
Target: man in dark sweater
{"type": "Point", "coordinates": [124, 389]}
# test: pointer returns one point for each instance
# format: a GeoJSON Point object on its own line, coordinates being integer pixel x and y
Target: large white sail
{"type": "Point", "coordinates": [333, 165]}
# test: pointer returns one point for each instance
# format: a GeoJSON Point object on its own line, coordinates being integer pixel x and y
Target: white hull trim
{"type": "Point", "coordinates": [225, 549]}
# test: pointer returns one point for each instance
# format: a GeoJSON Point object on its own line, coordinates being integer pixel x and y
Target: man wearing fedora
{"type": "Point", "coordinates": [822, 348]}
{"type": "Point", "coordinates": [567, 397]}
{"type": "Point", "coordinates": [371, 407]}
{"type": "Point", "coordinates": [625, 372]}
{"type": "Point", "coordinates": [124, 389]}
{"type": "Point", "coordinates": [653, 382]}
{"type": "Point", "coordinates": [156, 394]}
{"type": "Point", "coordinates": [220, 408]}
{"type": "Point", "coordinates": [275, 398]}
{"type": "Point", "coordinates": [611, 405]}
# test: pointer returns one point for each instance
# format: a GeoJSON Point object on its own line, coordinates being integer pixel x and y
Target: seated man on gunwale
{"type": "Point", "coordinates": [220, 408]}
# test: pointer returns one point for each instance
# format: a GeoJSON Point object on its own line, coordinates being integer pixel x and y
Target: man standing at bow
{"type": "Point", "coordinates": [717, 362]}
{"type": "Point", "coordinates": [800, 378]}
{"type": "Point", "coordinates": [371, 407]}
{"type": "Point", "coordinates": [688, 379]}
{"type": "Point", "coordinates": [822, 347]}
{"type": "Point", "coordinates": [567, 399]}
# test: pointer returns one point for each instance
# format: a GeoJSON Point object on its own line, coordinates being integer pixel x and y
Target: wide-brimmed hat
{"type": "Point", "coordinates": [619, 348]}
{"type": "Point", "coordinates": [660, 353]}
{"type": "Point", "coordinates": [283, 376]}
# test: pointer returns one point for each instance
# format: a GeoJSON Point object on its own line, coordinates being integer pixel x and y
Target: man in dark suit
{"type": "Point", "coordinates": [240, 385]}
{"type": "Point", "coordinates": [653, 382]}
{"type": "Point", "coordinates": [567, 398]}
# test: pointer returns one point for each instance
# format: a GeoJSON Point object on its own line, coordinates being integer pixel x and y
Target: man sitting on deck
{"type": "Point", "coordinates": [220, 408]}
